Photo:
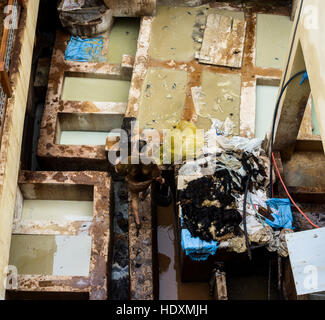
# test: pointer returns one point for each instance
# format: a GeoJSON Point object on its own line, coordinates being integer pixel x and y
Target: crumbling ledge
{"type": "Point", "coordinates": [141, 253]}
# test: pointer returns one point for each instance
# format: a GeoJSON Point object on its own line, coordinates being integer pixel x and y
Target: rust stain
{"type": "Point", "coordinates": [32, 176]}
{"type": "Point", "coordinates": [60, 177]}
{"type": "Point", "coordinates": [88, 107]}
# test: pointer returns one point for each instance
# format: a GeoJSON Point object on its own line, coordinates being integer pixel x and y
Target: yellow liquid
{"type": "Point", "coordinates": [51, 255]}
{"type": "Point", "coordinates": [265, 103]}
{"type": "Point", "coordinates": [96, 90]}
{"type": "Point", "coordinates": [163, 98]}
{"type": "Point", "coordinates": [220, 99]}
{"type": "Point", "coordinates": [172, 31]}
{"type": "Point", "coordinates": [57, 210]}
{"type": "Point", "coordinates": [273, 35]}
{"type": "Point", "coordinates": [123, 39]}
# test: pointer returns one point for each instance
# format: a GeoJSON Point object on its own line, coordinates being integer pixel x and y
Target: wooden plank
{"type": "Point", "coordinates": [293, 103]}
{"type": "Point", "coordinates": [306, 145]}
{"type": "Point", "coordinates": [12, 132]}
{"type": "Point", "coordinates": [220, 290]}
{"type": "Point", "coordinates": [294, 9]}
{"type": "Point", "coordinates": [308, 52]}
{"type": "Point", "coordinates": [306, 129]}
{"type": "Point", "coordinates": [307, 194]}
{"type": "Point", "coordinates": [4, 80]}
{"type": "Point", "coordinates": [141, 262]}
{"type": "Point", "coordinates": [311, 30]}
{"type": "Point", "coordinates": [223, 41]}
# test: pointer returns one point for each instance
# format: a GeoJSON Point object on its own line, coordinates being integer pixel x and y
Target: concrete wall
{"type": "Point", "coordinates": [13, 129]}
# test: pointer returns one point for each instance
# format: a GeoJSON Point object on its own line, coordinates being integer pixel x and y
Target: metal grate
{"type": "Point", "coordinates": [2, 103]}
{"type": "Point", "coordinates": [7, 58]}
{"type": "Point", "coordinates": [11, 36]}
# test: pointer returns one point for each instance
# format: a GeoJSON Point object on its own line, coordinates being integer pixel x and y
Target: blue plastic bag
{"type": "Point", "coordinates": [85, 50]}
{"type": "Point", "coordinates": [197, 249]}
{"type": "Point", "coordinates": [283, 217]}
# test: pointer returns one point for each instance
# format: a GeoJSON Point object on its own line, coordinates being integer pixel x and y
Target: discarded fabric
{"type": "Point", "coordinates": [194, 247]}
{"type": "Point", "coordinates": [259, 229]}
{"type": "Point", "coordinates": [85, 50]}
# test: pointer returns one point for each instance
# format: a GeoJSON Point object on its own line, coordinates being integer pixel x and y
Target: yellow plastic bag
{"type": "Point", "coordinates": [183, 142]}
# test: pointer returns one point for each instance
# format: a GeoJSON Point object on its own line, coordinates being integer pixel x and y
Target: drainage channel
{"type": "Point", "coordinates": [119, 289]}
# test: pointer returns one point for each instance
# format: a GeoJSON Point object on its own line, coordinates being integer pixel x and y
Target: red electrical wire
{"type": "Point", "coordinates": [287, 192]}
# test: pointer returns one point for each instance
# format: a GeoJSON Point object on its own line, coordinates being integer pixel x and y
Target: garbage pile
{"type": "Point", "coordinates": [212, 198]}
{"type": "Point", "coordinates": [209, 203]}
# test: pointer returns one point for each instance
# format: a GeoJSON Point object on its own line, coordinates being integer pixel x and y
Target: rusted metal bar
{"type": "Point", "coordinates": [4, 80]}
{"type": "Point", "coordinates": [308, 194]}
{"type": "Point", "coordinates": [279, 273]}
{"type": "Point", "coordinates": [294, 9]}
{"type": "Point", "coordinates": [5, 83]}
{"type": "Point", "coordinates": [5, 35]}
{"type": "Point", "coordinates": [309, 145]}
{"type": "Point", "coordinates": [218, 286]}
{"type": "Point", "coordinates": [220, 291]}
{"type": "Point", "coordinates": [22, 3]}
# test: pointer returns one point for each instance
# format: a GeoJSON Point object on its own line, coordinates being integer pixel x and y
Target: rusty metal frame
{"type": "Point", "coordinates": [54, 155]}
{"type": "Point", "coordinates": [96, 284]}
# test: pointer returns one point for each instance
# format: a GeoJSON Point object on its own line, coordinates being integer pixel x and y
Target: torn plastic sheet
{"type": "Point", "coordinates": [195, 248]}
{"type": "Point", "coordinates": [281, 209]}
{"type": "Point", "coordinates": [282, 213]}
{"type": "Point", "coordinates": [85, 50]}
{"type": "Point", "coordinates": [218, 138]}
{"type": "Point", "coordinates": [260, 230]}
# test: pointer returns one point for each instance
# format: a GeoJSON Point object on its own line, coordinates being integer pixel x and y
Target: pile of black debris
{"type": "Point", "coordinates": [208, 203]}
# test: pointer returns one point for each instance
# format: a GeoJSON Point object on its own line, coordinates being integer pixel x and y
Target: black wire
{"type": "Point", "coordinates": [273, 124]}
{"type": "Point", "coordinates": [244, 218]}
{"type": "Point", "coordinates": [269, 280]}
